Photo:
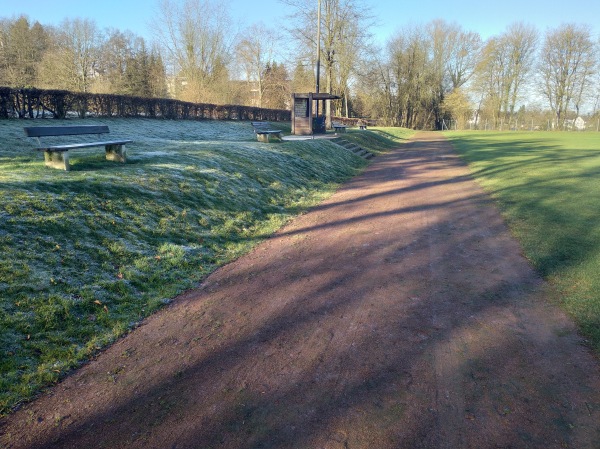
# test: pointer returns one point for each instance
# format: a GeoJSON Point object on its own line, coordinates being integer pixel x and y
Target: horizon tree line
{"type": "Point", "coordinates": [425, 76]}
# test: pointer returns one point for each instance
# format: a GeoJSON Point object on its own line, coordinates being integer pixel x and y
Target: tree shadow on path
{"type": "Point", "coordinates": [398, 314]}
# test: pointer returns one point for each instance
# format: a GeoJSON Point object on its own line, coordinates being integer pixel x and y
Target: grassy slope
{"type": "Point", "coordinates": [379, 140]}
{"type": "Point", "coordinates": [87, 254]}
{"type": "Point", "coordinates": [548, 186]}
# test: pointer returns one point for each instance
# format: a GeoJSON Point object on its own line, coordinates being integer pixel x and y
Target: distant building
{"type": "Point", "coordinates": [577, 124]}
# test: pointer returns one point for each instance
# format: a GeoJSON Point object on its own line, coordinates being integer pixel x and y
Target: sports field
{"type": "Point", "coordinates": [548, 187]}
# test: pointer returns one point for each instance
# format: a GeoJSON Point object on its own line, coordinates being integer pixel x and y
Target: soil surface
{"type": "Point", "coordinates": [400, 313]}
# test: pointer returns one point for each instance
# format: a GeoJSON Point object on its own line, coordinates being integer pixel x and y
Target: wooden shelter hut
{"type": "Point", "coordinates": [308, 113]}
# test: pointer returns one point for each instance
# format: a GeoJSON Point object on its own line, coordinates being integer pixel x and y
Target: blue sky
{"type": "Point", "coordinates": [482, 16]}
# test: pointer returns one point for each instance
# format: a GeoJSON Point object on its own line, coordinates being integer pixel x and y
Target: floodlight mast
{"type": "Point", "coordinates": [318, 75]}
{"type": "Point", "coordinates": [318, 46]}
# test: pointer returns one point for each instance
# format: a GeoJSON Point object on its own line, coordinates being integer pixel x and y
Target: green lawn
{"type": "Point", "coordinates": [85, 255]}
{"type": "Point", "coordinates": [548, 187]}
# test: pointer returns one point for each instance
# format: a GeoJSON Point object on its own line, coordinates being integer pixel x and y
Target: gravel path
{"type": "Point", "coordinates": [400, 313]}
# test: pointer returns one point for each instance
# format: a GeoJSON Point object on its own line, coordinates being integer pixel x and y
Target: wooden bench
{"type": "Point", "coordinates": [264, 131]}
{"type": "Point", "coordinates": [57, 156]}
{"type": "Point", "coordinates": [338, 127]}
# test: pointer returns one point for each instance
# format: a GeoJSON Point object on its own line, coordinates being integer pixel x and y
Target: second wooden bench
{"type": "Point", "coordinates": [264, 131]}
{"type": "Point", "coordinates": [339, 127]}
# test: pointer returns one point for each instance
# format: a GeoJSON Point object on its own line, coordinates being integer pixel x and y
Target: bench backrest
{"type": "Point", "coordinates": [261, 125]}
{"type": "Point", "coordinates": [43, 131]}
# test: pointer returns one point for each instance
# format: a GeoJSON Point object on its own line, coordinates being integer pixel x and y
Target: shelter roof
{"type": "Point", "coordinates": [317, 96]}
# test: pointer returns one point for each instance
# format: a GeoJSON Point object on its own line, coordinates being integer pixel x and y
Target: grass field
{"type": "Point", "coordinates": [85, 255]}
{"type": "Point", "coordinates": [548, 187]}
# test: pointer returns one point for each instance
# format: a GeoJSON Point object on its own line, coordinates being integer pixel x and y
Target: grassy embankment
{"type": "Point", "coordinates": [548, 187]}
{"type": "Point", "coordinates": [85, 255]}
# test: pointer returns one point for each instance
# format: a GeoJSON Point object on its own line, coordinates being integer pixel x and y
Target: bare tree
{"type": "Point", "coordinates": [73, 62]}
{"type": "Point", "coordinates": [378, 96]}
{"type": "Point", "coordinates": [198, 39]}
{"type": "Point", "coordinates": [427, 62]}
{"type": "Point", "coordinates": [521, 41]}
{"type": "Point", "coordinates": [116, 51]}
{"type": "Point", "coordinates": [442, 36]}
{"type": "Point", "coordinates": [566, 68]}
{"type": "Point", "coordinates": [21, 47]}
{"type": "Point", "coordinates": [82, 40]}
{"type": "Point", "coordinates": [303, 77]}
{"type": "Point", "coordinates": [254, 52]}
{"type": "Point", "coordinates": [345, 34]}
{"type": "Point", "coordinates": [127, 66]}
{"type": "Point", "coordinates": [486, 83]}
{"type": "Point", "coordinates": [464, 54]}
{"type": "Point", "coordinates": [277, 86]}
{"type": "Point", "coordinates": [415, 77]}
{"type": "Point", "coordinates": [506, 64]}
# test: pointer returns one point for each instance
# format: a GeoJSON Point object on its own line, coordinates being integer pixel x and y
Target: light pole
{"type": "Point", "coordinates": [318, 46]}
{"type": "Point", "coordinates": [318, 74]}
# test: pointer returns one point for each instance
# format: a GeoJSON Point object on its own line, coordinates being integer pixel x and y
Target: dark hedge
{"type": "Point", "coordinates": [38, 103]}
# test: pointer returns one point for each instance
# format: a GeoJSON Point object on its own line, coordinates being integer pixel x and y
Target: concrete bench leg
{"type": "Point", "coordinates": [116, 153]}
{"type": "Point", "coordinates": [267, 137]}
{"type": "Point", "coordinates": [57, 159]}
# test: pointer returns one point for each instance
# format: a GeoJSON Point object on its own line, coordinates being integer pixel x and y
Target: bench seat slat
{"type": "Point", "coordinates": [67, 147]}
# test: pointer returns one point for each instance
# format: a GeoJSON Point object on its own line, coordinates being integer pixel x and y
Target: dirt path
{"type": "Point", "coordinates": [398, 314]}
